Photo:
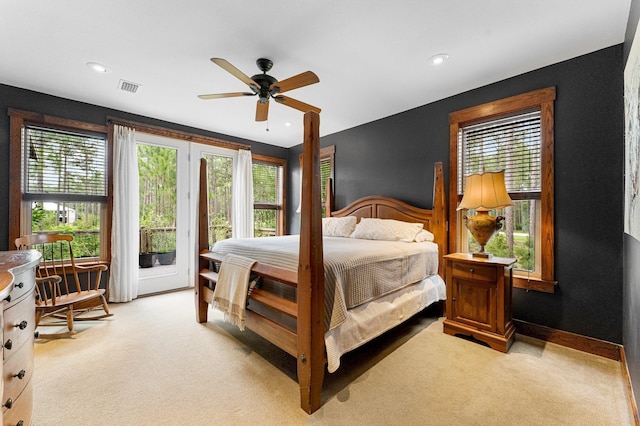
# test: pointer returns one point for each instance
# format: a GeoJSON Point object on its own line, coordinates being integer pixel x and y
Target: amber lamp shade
{"type": "Point", "coordinates": [484, 192]}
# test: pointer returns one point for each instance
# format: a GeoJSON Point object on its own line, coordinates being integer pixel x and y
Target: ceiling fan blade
{"type": "Point", "coordinates": [303, 79]}
{"type": "Point", "coordinates": [299, 105]}
{"type": "Point", "coordinates": [225, 95]}
{"type": "Point", "coordinates": [226, 65]}
{"type": "Point", "coordinates": [262, 111]}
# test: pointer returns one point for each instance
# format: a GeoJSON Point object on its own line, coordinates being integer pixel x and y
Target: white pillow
{"type": "Point", "coordinates": [386, 229]}
{"type": "Point", "coordinates": [338, 226]}
{"type": "Point", "coordinates": [423, 236]}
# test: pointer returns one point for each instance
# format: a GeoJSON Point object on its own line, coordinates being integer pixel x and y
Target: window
{"type": "Point", "coordinates": [268, 195]}
{"type": "Point", "coordinates": [514, 135]}
{"type": "Point", "coordinates": [59, 181]}
{"type": "Point", "coordinates": [219, 182]}
{"type": "Point", "coordinates": [327, 156]}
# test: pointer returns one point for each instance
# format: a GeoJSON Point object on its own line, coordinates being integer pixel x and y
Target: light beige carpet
{"type": "Point", "coordinates": [152, 364]}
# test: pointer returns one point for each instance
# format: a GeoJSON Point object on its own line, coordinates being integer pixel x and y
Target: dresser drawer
{"type": "Point", "coordinates": [17, 372]}
{"type": "Point", "coordinates": [19, 326]}
{"type": "Point", "coordinates": [21, 408]}
{"type": "Point", "coordinates": [23, 283]}
{"type": "Point", "coordinates": [473, 271]}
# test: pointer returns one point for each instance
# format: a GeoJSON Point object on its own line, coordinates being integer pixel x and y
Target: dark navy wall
{"type": "Point", "coordinates": [394, 157]}
{"type": "Point", "coordinates": [12, 97]}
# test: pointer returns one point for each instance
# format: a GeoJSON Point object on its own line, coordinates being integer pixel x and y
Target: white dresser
{"type": "Point", "coordinates": [17, 284]}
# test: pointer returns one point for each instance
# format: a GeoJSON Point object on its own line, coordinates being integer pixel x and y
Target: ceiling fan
{"type": "Point", "coordinates": [266, 87]}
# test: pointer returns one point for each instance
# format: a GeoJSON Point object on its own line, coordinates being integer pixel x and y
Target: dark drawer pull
{"type": "Point", "coordinates": [8, 344]}
{"type": "Point", "coordinates": [20, 375]}
{"type": "Point", "coordinates": [22, 325]}
{"type": "Point", "coordinates": [20, 285]}
{"type": "Point", "coordinates": [9, 403]}
{"type": "Point", "coordinates": [36, 334]}
{"type": "Point", "coordinates": [471, 270]}
{"type": "Point", "coordinates": [8, 299]}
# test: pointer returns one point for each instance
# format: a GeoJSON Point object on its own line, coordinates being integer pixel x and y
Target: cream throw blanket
{"type": "Point", "coordinates": [230, 294]}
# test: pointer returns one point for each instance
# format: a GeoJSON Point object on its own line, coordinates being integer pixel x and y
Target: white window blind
{"type": "Point", "coordinates": [511, 144]}
{"type": "Point", "coordinates": [63, 166]}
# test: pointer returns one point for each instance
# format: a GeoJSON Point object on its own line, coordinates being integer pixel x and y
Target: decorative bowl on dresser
{"type": "Point", "coordinates": [17, 284]}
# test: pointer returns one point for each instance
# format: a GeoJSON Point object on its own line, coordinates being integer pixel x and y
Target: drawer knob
{"type": "Point", "coordinates": [22, 325]}
{"type": "Point", "coordinates": [20, 285]}
{"type": "Point", "coordinates": [9, 403]}
{"type": "Point", "coordinates": [8, 299]}
{"type": "Point", "coordinates": [36, 334]}
{"type": "Point", "coordinates": [20, 375]}
{"type": "Point", "coordinates": [471, 270]}
{"type": "Point", "coordinates": [8, 344]}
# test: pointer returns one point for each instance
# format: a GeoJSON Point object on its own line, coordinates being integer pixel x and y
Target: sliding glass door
{"type": "Point", "coordinates": [220, 170]}
{"type": "Point", "coordinates": [164, 259]}
{"type": "Point", "coordinates": [168, 172]}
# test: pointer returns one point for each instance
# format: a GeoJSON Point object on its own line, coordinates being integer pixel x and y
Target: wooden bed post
{"type": "Point", "coordinates": [439, 228]}
{"type": "Point", "coordinates": [203, 242]}
{"type": "Point", "coordinates": [311, 357]}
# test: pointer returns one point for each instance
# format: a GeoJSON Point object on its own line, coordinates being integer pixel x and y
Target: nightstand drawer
{"type": "Point", "coordinates": [473, 271]}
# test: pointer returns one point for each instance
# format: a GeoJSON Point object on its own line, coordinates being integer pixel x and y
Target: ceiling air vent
{"type": "Point", "coordinates": [128, 86]}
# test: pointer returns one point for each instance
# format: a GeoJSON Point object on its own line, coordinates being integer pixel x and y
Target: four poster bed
{"type": "Point", "coordinates": [302, 303]}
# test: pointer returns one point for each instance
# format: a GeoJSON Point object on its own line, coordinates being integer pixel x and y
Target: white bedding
{"type": "Point", "coordinates": [370, 320]}
{"type": "Point", "coordinates": [388, 280]}
{"type": "Point", "coordinates": [356, 271]}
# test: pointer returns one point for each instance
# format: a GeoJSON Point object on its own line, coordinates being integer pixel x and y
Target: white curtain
{"type": "Point", "coordinates": [123, 278]}
{"type": "Point", "coordinates": [243, 197]}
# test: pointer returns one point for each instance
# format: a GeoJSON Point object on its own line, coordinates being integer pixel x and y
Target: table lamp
{"type": "Point", "coordinates": [484, 192]}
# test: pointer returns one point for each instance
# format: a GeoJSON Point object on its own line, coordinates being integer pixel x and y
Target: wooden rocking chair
{"type": "Point", "coordinates": [63, 289]}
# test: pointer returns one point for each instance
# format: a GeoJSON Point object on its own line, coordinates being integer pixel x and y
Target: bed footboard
{"type": "Point", "coordinates": [276, 333]}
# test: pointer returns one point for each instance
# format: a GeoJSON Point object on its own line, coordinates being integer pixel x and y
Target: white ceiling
{"type": "Point", "coordinates": [371, 56]}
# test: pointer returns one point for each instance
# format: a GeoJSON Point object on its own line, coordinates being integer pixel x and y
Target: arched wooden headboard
{"type": "Point", "coordinates": [434, 220]}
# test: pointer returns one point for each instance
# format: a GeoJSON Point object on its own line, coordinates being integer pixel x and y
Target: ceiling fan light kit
{"type": "Point", "coordinates": [267, 87]}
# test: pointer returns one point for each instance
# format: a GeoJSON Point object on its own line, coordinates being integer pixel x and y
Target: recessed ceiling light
{"type": "Point", "coordinates": [99, 68]}
{"type": "Point", "coordinates": [439, 58]}
{"type": "Point", "coordinates": [287, 124]}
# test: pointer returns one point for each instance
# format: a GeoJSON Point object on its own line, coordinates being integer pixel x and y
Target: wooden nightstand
{"type": "Point", "coordinates": [479, 299]}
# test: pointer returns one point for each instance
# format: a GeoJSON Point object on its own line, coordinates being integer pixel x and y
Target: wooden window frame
{"type": "Point", "coordinates": [543, 100]}
{"type": "Point", "coordinates": [328, 152]}
{"type": "Point", "coordinates": [281, 209]}
{"type": "Point", "coordinates": [18, 120]}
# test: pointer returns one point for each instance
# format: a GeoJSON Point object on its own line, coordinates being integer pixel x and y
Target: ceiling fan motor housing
{"type": "Point", "coordinates": [265, 81]}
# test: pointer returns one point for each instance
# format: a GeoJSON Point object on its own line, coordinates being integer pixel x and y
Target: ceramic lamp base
{"type": "Point", "coordinates": [482, 226]}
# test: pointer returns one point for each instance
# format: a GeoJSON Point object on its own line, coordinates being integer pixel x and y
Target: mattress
{"type": "Point", "coordinates": [356, 271]}
{"type": "Point", "coordinates": [372, 319]}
